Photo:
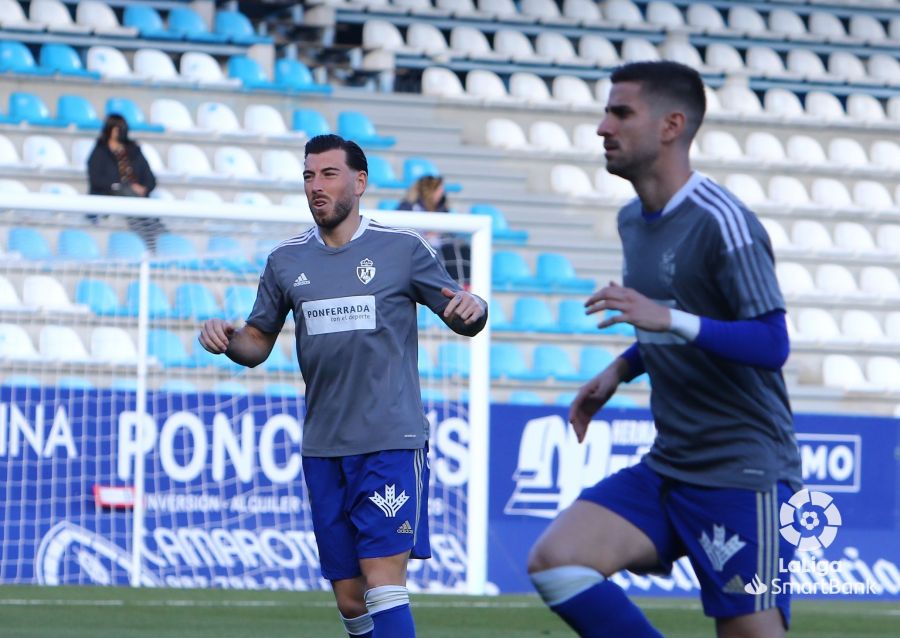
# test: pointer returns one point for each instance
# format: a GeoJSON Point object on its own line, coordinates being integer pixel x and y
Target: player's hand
{"type": "Point", "coordinates": [634, 308]}
{"type": "Point", "coordinates": [140, 189]}
{"type": "Point", "coordinates": [591, 397]}
{"type": "Point", "coordinates": [215, 335]}
{"type": "Point", "coordinates": [463, 305]}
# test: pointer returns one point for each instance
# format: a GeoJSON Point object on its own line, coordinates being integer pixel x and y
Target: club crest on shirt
{"type": "Point", "coordinates": [667, 267]}
{"type": "Point", "coordinates": [366, 270]}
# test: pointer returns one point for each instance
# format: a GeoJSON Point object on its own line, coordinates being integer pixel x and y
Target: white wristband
{"type": "Point", "coordinates": [684, 324]}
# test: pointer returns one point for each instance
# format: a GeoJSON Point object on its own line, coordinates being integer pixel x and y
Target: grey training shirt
{"type": "Point", "coordinates": [719, 423]}
{"type": "Point", "coordinates": [355, 314]}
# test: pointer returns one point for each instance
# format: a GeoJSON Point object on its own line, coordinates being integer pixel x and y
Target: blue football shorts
{"type": "Point", "coordinates": [730, 535]}
{"type": "Point", "coordinates": [368, 506]}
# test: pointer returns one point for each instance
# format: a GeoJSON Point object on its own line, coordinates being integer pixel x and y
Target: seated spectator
{"type": "Point", "coordinates": [116, 166]}
{"type": "Point", "coordinates": [427, 195]}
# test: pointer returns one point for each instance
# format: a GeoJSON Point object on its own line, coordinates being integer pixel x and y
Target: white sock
{"type": "Point", "coordinates": [359, 625]}
{"type": "Point", "coordinates": [559, 584]}
{"type": "Point", "coordinates": [386, 597]}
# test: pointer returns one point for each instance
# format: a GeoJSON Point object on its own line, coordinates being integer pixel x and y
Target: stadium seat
{"type": "Point", "coordinates": [189, 160]}
{"type": "Point", "coordinates": [572, 318]}
{"type": "Point", "coordinates": [811, 235]}
{"type": "Point", "coordinates": [818, 325]}
{"type": "Point", "coordinates": [310, 122]}
{"type": "Point", "coordinates": [497, 318]}
{"type": "Point", "coordinates": [173, 115]}
{"type": "Point", "coordinates": [385, 36]}
{"type": "Point", "coordinates": [178, 251]}
{"type": "Point", "coordinates": [62, 59]}
{"type": "Point", "coordinates": [847, 152]}
{"type": "Point", "coordinates": [203, 358]}
{"type": "Point", "coordinates": [558, 49]}
{"type": "Point", "coordinates": [44, 152]}
{"type": "Point", "coordinates": [158, 306]}
{"type": "Point", "coordinates": [196, 302]}
{"type": "Point", "coordinates": [623, 13]}
{"type": "Point", "coordinates": [353, 125]}
{"type": "Point", "coordinates": [281, 390]}
{"type": "Point", "coordinates": [123, 244]}
{"type": "Point", "coordinates": [836, 280]}
{"type": "Point", "coordinates": [293, 75]}
{"type": "Point", "coordinates": [739, 99]}
{"type": "Point", "coordinates": [152, 65]}
{"type": "Point", "coordinates": [531, 314]}
{"type": "Point", "coordinates": [239, 301]}
{"type": "Point", "coordinates": [592, 360]}
{"type": "Point", "coordinates": [218, 118]}
{"type": "Point", "coordinates": [237, 28]}
{"type": "Point", "coordinates": [510, 272]}
{"type": "Point", "coordinates": [724, 58]}
{"type": "Point", "coordinates": [678, 48]}
{"type": "Point", "coordinates": [472, 43]}
{"type": "Point", "coordinates": [866, 109]}
{"type": "Point", "coordinates": [113, 345]}
{"type": "Point", "coordinates": [638, 50]}
{"type": "Point", "coordinates": [843, 372]}
{"type": "Point", "coordinates": [29, 243]}
{"type": "Point", "coordinates": [428, 39]}
{"type": "Point", "coordinates": [98, 296]}
{"type": "Point", "coordinates": [505, 133]}
{"type": "Point", "coordinates": [883, 372]}
{"type": "Point", "coordinates": [266, 120]}
{"type": "Point", "coordinates": [77, 245]}
{"type": "Point", "coordinates": [76, 111]}
{"type": "Point", "coordinates": [764, 147]}
{"type": "Point", "coordinates": [888, 237]}
{"type": "Point", "coordinates": [444, 83]}
{"type": "Point", "coordinates": [570, 180]}
{"type": "Point", "coordinates": [784, 189]}
{"type": "Point", "coordinates": [777, 235]}
{"type": "Point", "coordinates": [54, 15]}
{"type": "Point", "coordinates": [721, 145]}
{"type": "Point", "coordinates": [883, 68]}
{"type": "Point", "coordinates": [805, 151]}
{"type": "Point", "coordinates": [28, 108]}
{"type": "Point", "coordinates": [427, 320]}
{"type": "Point", "coordinates": [508, 362]}
{"type": "Point", "coordinates": [612, 187]}
{"type": "Point", "coordinates": [12, 18]}
{"type": "Point", "coordinates": [862, 326]}
{"type": "Point", "coordinates": [81, 151]}
{"type": "Point", "coordinates": [664, 14]}
{"type": "Point", "coordinates": [553, 362]}
{"type": "Point", "coordinates": [585, 138]}
{"type": "Point", "coordinates": [45, 292]}
{"type": "Point", "coordinates": [524, 397]}
{"type": "Point", "coordinates": [746, 20]}
{"type": "Point", "coordinates": [765, 61]}
{"type": "Point", "coordinates": [252, 198]}
{"type": "Point", "coordinates": [879, 281]}
{"type": "Point", "coordinates": [15, 344]}
{"type": "Point", "coordinates": [794, 279]}
{"type": "Point", "coordinates": [555, 273]}
{"type": "Point", "coordinates": [783, 104]}
{"type": "Point", "coordinates": [486, 85]}
{"type": "Point", "coordinates": [747, 189]}
{"type": "Point", "coordinates": [872, 196]}
{"type": "Point", "coordinates": [453, 360]}
{"type": "Point", "coordinates": [186, 23]}
{"type": "Point", "coordinates": [416, 167]}
{"type": "Point", "coordinates": [167, 348]}
{"type": "Point", "coordinates": [12, 186]}
{"type": "Point", "coordinates": [824, 106]}
{"type": "Point", "coordinates": [132, 114]}
{"type": "Point", "coordinates": [549, 136]}
{"type": "Point", "coordinates": [516, 46]}
{"type": "Point", "coordinates": [109, 62]}
{"type": "Point", "coordinates": [20, 380]}
{"type": "Point", "coordinates": [572, 90]}
{"type": "Point", "coordinates": [500, 230]}
{"type": "Point", "coordinates": [9, 298]}
{"type": "Point", "coordinates": [598, 50]}
{"type": "Point", "coordinates": [58, 188]}
{"type": "Point", "coordinates": [249, 73]}
{"type": "Point", "coordinates": [202, 68]}
{"type": "Point", "coordinates": [235, 162]}
{"type": "Point", "coordinates": [148, 22]}
{"type": "Point", "coordinates": [62, 344]}
{"type": "Point", "coordinates": [101, 19]}
{"type": "Point", "coordinates": [381, 173]}
{"type": "Point", "coordinates": [281, 165]}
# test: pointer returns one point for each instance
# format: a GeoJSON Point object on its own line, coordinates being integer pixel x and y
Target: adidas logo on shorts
{"type": "Point", "coordinates": [406, 528]}
{"type": "Point", "coordinates": [735, 585]}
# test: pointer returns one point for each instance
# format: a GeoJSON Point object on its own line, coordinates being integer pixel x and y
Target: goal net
{"type": "Point", "coordinates": [130, 455]}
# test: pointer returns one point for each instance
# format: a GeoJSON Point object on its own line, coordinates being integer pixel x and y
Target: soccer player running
{"type": "Point", "coordinates": [699, 287]}
{"type": "Point", "coordinates": [352, 285]}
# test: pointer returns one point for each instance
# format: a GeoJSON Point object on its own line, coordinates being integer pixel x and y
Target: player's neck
{"type": "Point", "coordinates": [343, 232]}
{"type": "Point", "coordinates": [660, 184]}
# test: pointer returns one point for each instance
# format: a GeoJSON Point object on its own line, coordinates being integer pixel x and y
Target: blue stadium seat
{"type": "Point", "coordinates": [500, 230]}
{"type": "Point", "coordinates": [249, 73]}
{"type": "Point", "coordinates": [132, 114]}
{"type": "Point", "coordinates": [431, 396]}
{"type": "Point", "coordinates": [620, 401]}
{"type": "Point", "coordinates": [29, 243]}
{"type": "Point", "coordinates": [293, 75]}
{"type": "Point", "coordinates": [30, 109]}
{"type": "Point", "coordinates": [497, 317]}
{"type": "Point", "coordinates": [99, 296]}
{"type": "Point", "coordinates": [453, 360]}
{"type": "Point", "coordinates": [353, 125]}
{"type": "Point", "coordinates": [237, 28]}
{"type": "Point", "coordinates": [388, 204]}
{"type": "Point", "coordinates": [508, 362]}
{"type": "Point", "coordinates": [168, 349]}
{"type": "Point", "coordinates": [21, 381]}
{"type": "Point", "coordinates": [77, 111]}
{"type": "Point", "coordinates": [203, 358]}
{"type": "Point", "coordinates": [148, 22]}
{"type": "Point", "coordinates": [229, 255]}
{"type": "Point", "coordinates": [565, 398]}
{"type": "Point", "coordinates": [510, 272]}
{"type": "Point", "coordinates": [74, 383]}
{"type": "Point", "coordinates": [278, 361]}
{"type": "Point", "coordinates": [381, 173]}
{"type": "Point", "coordinates": [426, 367]}
{"type": "Point", "coordinates": [77, 245]}
{"type": "Point", "coordinates": [124, 244]}
{"type": "Point", "coordinates": [178, 386]}
{"type": "Point", "coordinates": [416, 167]}
{"type": "Point", "coordinates": [552, 362]}
{"type": "Point", "coordinates": [188, 24]}
{"type": "Point", "coordinates": [624, 329]}
{"type": "Point", "coordinates": [230, 388]}
{"type": "Point", "coordinates": [63, 59]}
{"type": "Point", "coordinates": [196, 301]}
{"type": "Point", "coordinates": [178, 251]}
{"type": "Point", "coordinates": [239, 301]}
{"type": "Point", "coordinates": [158, 306]}
{"type": "Point", "coordinates": [525, 397]}
{"type": "Point", "coordinates": [427, 320]}
{"type": "Point", "coordinates": [531, 314]}
{"type": "Point", "coordinates": [285, 390]}
{"type": "Point", "coordinates": [310, 122]}
{"type": "Point", "coordinates": [592, 360]}
{"type": "Point", "coordinates": [124, 384]}
{"type": "Point", "coordinates": [15, 57]}
{"type": "Point", "coordinates": [555, 272]}
{"type": "Point", "coordinates": [573, 319]}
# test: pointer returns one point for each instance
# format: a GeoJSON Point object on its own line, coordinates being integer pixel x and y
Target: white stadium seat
{"type": "Point", "coordinates": [811, 235]}
{"type": "Point", "coordinates": [218, 117]}
{"type": "Point", "coordinates": [15, 345]}
{"type": "Point", "coordinates": [853, 237]}
{"type": "Point", "coordinates": [172, 114]}
{"type": "Point", "coordinates": [885, 154]}
{"type": "Point", "coordinates": [623, 12]}
{"type": "Point", "coordinates": [611, 186]}
{"type": "Point", "coordinates": [505, 133]}
{"type": "Point", "coordinates": [570, 180]}
{"type": "Point", "coordinates": [544, 10]}
{"type": "Point", "coordinates": [888, 238]}
{"type": "Point", "coordinates": [677, 47]}
{"type": "Point", "coordinates": [747, 189]}
{"type": "Point", "coordinates": [252, 198]}
{"type": "Point", "coordinates": [384, 35]}
{"type": "Point", "coordinates": [572, 90]}
{"type": "Point", "coordinates": [486, 85]}
{"type": "Point", "coordinates": [155, 66]}
{"type": "Point", "coordinates": [883, 371]}
{"type": "Point", "coordinates": [893, 108]}
{"type": "Point", "coordinates": [44, 152]}
{"type": "Point", "coordinates": [879, 281]}
{"type": "Point", "coordinates": [872, 196]}
{"type": "Point", "coordinates": [516, 46]}
{"type": "Point", "coordinates": [529, 88]}
{"type": "Point", "coordinates": [794, 279]}
{"type": "Point", "coordinates": [202, 68]}
{"type": "Point", "coordinates": [884, 67]}
{"type": "Point", "coordinates": [81, 151]}
{"type": "Point", "coordinates": [61, 343]}
{"type": "Point", "coordinates": [738, 98]}
{"type": "Point", "coordinates": [602, 89]}
{"type": "Point", "coordinates": [638, 50]}
{"type": "Point", "coordinates": [189, 160]}
{"type": "Point", "coordinates": [867, 28]}
{"type": "Point", "coordinates": [664, 14]}
{"type": "Point", "coordinates": [847, 66]}
{"type": "Point", "coordinates": [827, 25]}
{"type": "Point", "coordinates": [263, 119]}
{"type": "Point", "coordinates": [504, 9]}
{"type": "Point", "coordinates": [835, 279]}
{"type": "Point", "coordinates": [9, 298]}
{"type": "Point", "coordinates": [101, 19]}
{"type": "Point", "coordinates": [585, 138]}
{"type": "Point", "coordinates": [721, 145]}
{"type": "Point", "coordinates": [558, 48]}
{"type": "Point", "coordinates": [47, 293]}
{"type": "Point", "coordinates": [153, 159]}
{"type": "Point", "coordinates": [786, 23]}
{"type": "Point", "coordinates": [586, 12]}
{"type": "Point", "coordinates": [13, 187]}
{"type": "Point", "coordinates": [54, 15]}
{"type": "Point", "coordinates": [807, 64]}
{"type": "Point", "coordinates": [847, 152]}
{"type": "Point", "coordinates": [842, 372]}
{"type": "Point", "coordinates": [787, 190]}
{"type": "Point", "coordinates": [441, 82]}
{"type": "Point", "coordinates": [764, 147]}
{"type": "Point", "coordinates": [235, 161]}
{"type": "Point", "coordinates": [108, 62]}
{"type": "Point", "coordinates": [892, 325]}
{"type": "Point", "coordinates": [824, 106]}
{"type": "Point", "coordinates": [282, 165]}
{"type": "Point", "coordinates": [427, 38]}
{"type": "Point", "coordinates": [59, 188]}
{"type": "Point", "coordinates": [545, 135]}
{"type": "Point", "coordinates": [113, 346]}
{"type": "Point", "coordinates": [765, 61]}
{"type": "Point", "coordinates": [783, 104]}
{"type": "Point", "coordinates": [816, 324]}
{"type": "Point", "coordinates": [865, 109]}
{"type": "Point", "coordinates": [705, 17]}
{"type": "Point", "coordinates": [828, 192]}
{"type": "Point", "coordinates": [598, 50]}
{"type": "Point", "coordinates": [861, 326]}
{"type": "Point", "coordinates": [202, 195]}
{"type": "Point", "coordinates": [12, 17]}
{"type": "Point", "coordinates": [724, 58]}
{"type": "Point", "coordinates": [473, 44]}
{"type": "Point", "coordinates": [747, 20]}
{"type": "Point", "coordinates": [805, 150]}
{"type": "Point", "coordinates": [777, 235]}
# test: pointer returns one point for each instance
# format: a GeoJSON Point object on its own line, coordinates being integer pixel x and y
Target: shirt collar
{"type": "Point", "coordinates": [363, 225]}
{"type": "Point", "coordinates": [689, 186]}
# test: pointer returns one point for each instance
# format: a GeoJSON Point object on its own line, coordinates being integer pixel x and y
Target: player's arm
{"type": "Point", "coordinates": [760, 341]}
{"type": "Point", "coordinates": [466, 314]}
{"type": "Point", "coordinates": [594, 394]}
{"type": "Point", "coordinates": [248, 346]}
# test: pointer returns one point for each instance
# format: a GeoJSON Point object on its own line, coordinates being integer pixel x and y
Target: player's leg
{"type": "Point", "coordinates": [734, 544]}
{"type": "Point", "coordinates": [615, 525]}
{"type": "Point", "coordinates": [336, 541]}
{"type": "Point", "coordinates": [390, 513]}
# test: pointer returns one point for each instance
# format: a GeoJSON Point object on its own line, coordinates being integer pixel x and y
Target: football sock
{"type": "Point", "coordinates": [389, 607]}
{"type": "Point", "coordinates": [359, 627]}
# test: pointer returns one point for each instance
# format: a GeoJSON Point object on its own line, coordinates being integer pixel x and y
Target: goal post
{"type": "Point", "coordinates": [125, 529]}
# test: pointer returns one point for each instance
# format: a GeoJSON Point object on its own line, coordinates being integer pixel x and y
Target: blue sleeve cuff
{"type": "Point", "coordinates": [760, 342]}
{"type": "Point", "coordinates": [635, 363]}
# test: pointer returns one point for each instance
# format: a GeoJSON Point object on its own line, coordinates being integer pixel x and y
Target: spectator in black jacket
{"type": "Point", "coordinates": [116, 166]}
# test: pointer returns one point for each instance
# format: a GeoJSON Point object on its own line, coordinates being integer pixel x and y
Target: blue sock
{"type": "Point", "coordinates": [591, 605]}
{"type": "Point", "coordinates": [389, 607]}
{"type": "Point", "coordinates": [359, 627]}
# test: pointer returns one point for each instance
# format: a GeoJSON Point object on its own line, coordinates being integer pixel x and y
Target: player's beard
{"type": "Point", "coordinates": [342, 209]}
{"type": "Point", "coordinates": [635, 166]}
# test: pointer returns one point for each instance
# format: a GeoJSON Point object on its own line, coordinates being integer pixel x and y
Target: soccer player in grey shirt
{"type": "Point", "coordinates": [352, 285]}
{"type": "Point", "coordinates": [700, 289]}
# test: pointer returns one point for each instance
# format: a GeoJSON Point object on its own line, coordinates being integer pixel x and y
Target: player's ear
{"type": "Point", "coordinates": [673, 126]}
{"type": "Point", "coordinates": [362, 180]}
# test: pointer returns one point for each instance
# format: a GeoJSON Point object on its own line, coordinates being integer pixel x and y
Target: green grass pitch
{"type": "Point", "coordinates": [101, 612]}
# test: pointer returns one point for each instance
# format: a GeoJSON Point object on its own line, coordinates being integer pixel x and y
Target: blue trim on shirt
{"type": "Point", "coordinates": [760, 342]}
{"type": "Point", "coordinates": [635, 362]}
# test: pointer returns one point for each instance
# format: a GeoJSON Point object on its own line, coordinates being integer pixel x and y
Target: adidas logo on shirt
{"type": "Point", "coordinates": [406, 528]}
{"type": "Point", "coordinates": [301, 280]}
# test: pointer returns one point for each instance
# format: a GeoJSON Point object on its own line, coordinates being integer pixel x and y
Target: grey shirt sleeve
{"type": "Point", "coordinates": [746, 272]}
{"type": "Point", "coordinates": [271, 306]}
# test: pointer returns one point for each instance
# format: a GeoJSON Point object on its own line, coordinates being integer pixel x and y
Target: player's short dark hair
{"type": "Point", "coordinates": [668, 82]}
{"type": "Point", "coordinates": [355, 157]}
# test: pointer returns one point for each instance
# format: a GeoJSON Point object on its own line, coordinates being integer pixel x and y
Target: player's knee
{"type": "Point", "coordinates": [545, 555]}
{"type": "Point", "coordinates": [351, 607]}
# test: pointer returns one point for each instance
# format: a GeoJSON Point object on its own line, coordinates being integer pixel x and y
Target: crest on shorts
{"type": "Point", "coordinates": [391, 502]}
{"type": "Point", "coordinates": [366, 271]}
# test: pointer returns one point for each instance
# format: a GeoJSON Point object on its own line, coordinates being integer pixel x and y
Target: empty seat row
{"type": "Point", "coordinates": [843, 372]}
{"type": "Point", "coordinates": [836, 281]}
{"type": "Point", "coordinates": [553, 273]}
{"type": "Point", "coordinates": [129, 384]}
{"type": "Point", "coordinates": [849, 238]}
{"type": "Point", "coordinates": [855, 326]}
{"type": "Point", "coordinates": [99, 18]}
{"type": "Point", "coordinates": [866, 196]}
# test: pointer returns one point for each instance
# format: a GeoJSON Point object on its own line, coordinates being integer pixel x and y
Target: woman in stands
{"type": "Point", "coordinates": [116, 166]}
{"type": "Point", "coordinates": [427, 195]}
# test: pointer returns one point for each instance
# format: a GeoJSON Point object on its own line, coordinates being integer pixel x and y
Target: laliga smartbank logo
{"type": "Point", "coordinates": [809, 520]}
